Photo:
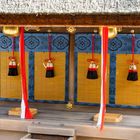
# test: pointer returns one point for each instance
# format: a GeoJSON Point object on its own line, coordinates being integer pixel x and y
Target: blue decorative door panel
{"type": "Point", "coordinates": [118, 45]}
{"type": "Point", "coordinates": [38, 42]}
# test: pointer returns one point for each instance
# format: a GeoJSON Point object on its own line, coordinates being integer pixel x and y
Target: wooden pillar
{"type": "Point", "coordinates": [0, 75]}
{"type": "Point", "coordinates": [71, 67]}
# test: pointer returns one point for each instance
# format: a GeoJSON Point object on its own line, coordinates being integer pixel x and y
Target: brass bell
{"type": "Point", "coordinates": [11, 31]}
{"type": "Point", "coordinates": [112, 32]}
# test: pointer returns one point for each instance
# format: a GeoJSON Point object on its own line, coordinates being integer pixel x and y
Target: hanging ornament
{"type": "Point", "coordinates": [104, 51]}
{"type": "Point", "coordinates": [112, 32]}
{"type": "Point", "coordinates": [132, 72]}
{"type": "Point", "coordinates": [11, 31]}
{"type": "Point", "coordinates": [92, 69]}
{"type": "Point", "coordinates": [69, 105]}
{"type": "Point", "coordinates": [32, 28]}
{"type": "Point", "coordinates": [48, 62]}
{"type": "Point", "coordinates": [12, 64]}
{"type": "Point", "coordinates": [25, 111]}
{"type": "Point", "coordinates": [71, 29]}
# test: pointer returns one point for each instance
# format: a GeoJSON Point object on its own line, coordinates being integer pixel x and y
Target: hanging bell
{"type": "Point", "coordinates": [132, 73]}
{"type": "Point", "coordinates": [92, 71]}
{"type": "Point", "coordinates": [112, 32]}
{"type": "Point", "coordinates": [11, 31]}
{"type": "Point", "coordinates": [13, 70]}
{"type": "Point", "coordinates": [49, 69]}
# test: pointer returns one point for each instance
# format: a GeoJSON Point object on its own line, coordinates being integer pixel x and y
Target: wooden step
{"type": "Point", "coordinates": [51, 130]}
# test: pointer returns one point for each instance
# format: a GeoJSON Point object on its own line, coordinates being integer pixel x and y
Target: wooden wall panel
{"type": "Point", "coordinates": [89, 90]}
{"type": "Point", "coordinates": [50, 88]}
{"type": "Point", "coordinates": [127, 92]}
{"type": "Point", "coordinates": [10, 86]}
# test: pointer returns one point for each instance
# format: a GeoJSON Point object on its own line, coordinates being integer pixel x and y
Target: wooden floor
{"type": "Point", "coordinates": [79, 118]}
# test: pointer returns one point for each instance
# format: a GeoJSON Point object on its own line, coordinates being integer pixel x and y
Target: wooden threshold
{"type": "Point", "coordinates": [110, 131]}
{"type": "Point", "coordinates": [79, 119]}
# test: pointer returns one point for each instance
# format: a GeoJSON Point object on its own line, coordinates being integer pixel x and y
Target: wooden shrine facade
{"type": "Point", "coordinates": [71, 52]}
{"type": "Point", "coordinates": [35, 43]}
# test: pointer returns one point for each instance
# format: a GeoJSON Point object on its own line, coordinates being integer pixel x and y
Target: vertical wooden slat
{"type": "Point", "coordinates": [71, 67]}
{"type": "Point", "coordinates": [0, 74]}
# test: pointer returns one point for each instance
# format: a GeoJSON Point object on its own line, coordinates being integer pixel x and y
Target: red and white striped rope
{"type": "Point", "coordinates": [25, 112]}
{"type": "Point", "coordinates": [104, 51]}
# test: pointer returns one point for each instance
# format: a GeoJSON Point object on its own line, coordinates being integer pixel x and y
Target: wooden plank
{"type": "Point", "coordinates": [17, 111]}
{"type": "Point", "coordinates": [14, 124]}
{"type": "Point", "coordinates": [87, 130]}
{"type": "Point", "coordinates": [0, 75]}
{"type": "Point", "coordinates": [43, 107]}
{"type": "Point", "coordinates": [11, 135]}
{"type": "Point", "coordinates": [51, 130]}
{"type": "Point", "coordinates": [54, 114]}
{"type": "Point", "coordinates": [109, 117]}
{"type": "Point", "coordinates": [78, 120]}
{"type": "Point", "coordinates": [71, 67]}
{"type": "Point", "coordinates": [66, 20]}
